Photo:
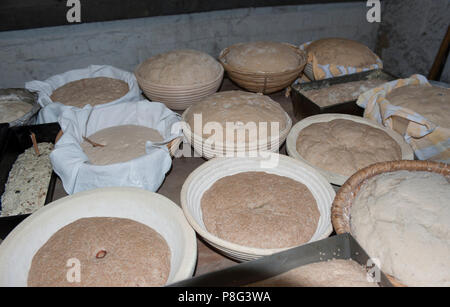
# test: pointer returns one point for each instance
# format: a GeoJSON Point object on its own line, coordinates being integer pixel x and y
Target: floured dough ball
{"type": "Point", "coordinates": [247, 111]}
{"type": "Point", "coordinates": [121, 144]}
{"type": "Point", "coordinates": [403, 219]}
{"type": "Point", "coordinates": [343, 146]}
{"type": "Point", "coordinates": [432, 102]}
{"type": "Point", "coordinates": [180, 67]}
{"type": "Point", "coordinates": [11, 110]}
{"type": "Point", "coordinates": [332, 273]}
{"type": "Point", "coordinates": [340, 51]}
{"type": "Point", "coordinates": [259, 209]}
{"type": "Point", "coordinates": [112, 252]}
{"type": "Point", "coordinates": [270, 57]}
{"type": "Point", "coordinates": [91, 91]}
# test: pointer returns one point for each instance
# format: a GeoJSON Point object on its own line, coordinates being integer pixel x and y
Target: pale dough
{"type": "Point", "coordinates": [263, 57]}
{"type": "Point", "coordinates": [403, 218]}
{"type": "Point", "coordinates": [340, 51]}
{"type": "Point", "coordinates": [235, 107]}
{"type": "Point", "coordinates": [180, 67]}
{"type": "Point", "coordinates": [11, 110]}
{"type": "Point", "coordinates": [91, 91]}
{"type": "Point", "coordinates": [343, 146]}
{"type": "Point", "coordinates": [258, 209]}
{"type": "Point", "coordinates": [432, 102]}
{"type": "Point", "coordinates": [136, 255]}
{"type": "Point", "coordinates": [332, 273]}
{"type": "Point", "coordinates": [122, 143]}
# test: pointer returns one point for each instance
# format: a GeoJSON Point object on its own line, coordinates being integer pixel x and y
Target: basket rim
{"type": "Point", "coordinates": [341, 206]}
{"type": "Point", "coordinates": [335, 178]}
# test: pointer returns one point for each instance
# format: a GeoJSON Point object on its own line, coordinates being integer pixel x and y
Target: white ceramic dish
{"type": "Point", "coordinates": [151, 209]}
{"type": "Point", "coordinates": [201, 179]}
{"type": "Point", "coordinates": [334, 178]}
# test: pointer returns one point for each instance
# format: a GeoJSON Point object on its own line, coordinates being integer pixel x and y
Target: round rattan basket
{"type": "Point", "coordinates": [202, 178]}
{"type": "Point", "coordinates": [220, 149]}
{"type": "Point", "coordinates": [263, 82]}
{"type": "Point", "coordinates": [341, 208]}
{"type": "Point", "coordinates": [181, 96]}
{"type": "Point", "coordinates": [334, 178]}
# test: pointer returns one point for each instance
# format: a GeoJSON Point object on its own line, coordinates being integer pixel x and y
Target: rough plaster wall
{"type": "Point", "coordinates": [410, 35]}
{"type": "Point", "coordinates": [41, 53]}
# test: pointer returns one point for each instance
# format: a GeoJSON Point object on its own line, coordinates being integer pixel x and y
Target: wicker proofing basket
{"type": "Point", "coordinates": [263, 82]}
{"type": "Point", "coordinates": [334, 178]}
{"type": "Point", "coordinates": [341, 208]}
{"type": "Point", "coordinates": [221, 149]}
{"type": "Point", "coordinates": [178, 97]}
{"type": "Point", "coordinates": [202, 178]}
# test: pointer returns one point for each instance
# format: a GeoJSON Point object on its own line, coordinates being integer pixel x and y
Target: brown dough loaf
{"type": "Point", "coordinates": [333, 273]}
{"type": "Point", "coordinates": [340, 51]}
{"type": "Point", "coordinates": [91, 91]}
{"type": "Point", "coordinates": [122, 143]}
{"type": "Point", "coordinates": [269, 57]}
{"type": "Point", "coordinates": [236, 106]}
{"type": "Point", "coordinates": [343, 146]}
{"type": "Point", "coordinates": [261, 210]}
{"type": "Point", "coordinates": [180, 67]}
{"type": "Point", "coordinates": [136, 255]}
{"type": "Point", "coordinates": [432, 102]}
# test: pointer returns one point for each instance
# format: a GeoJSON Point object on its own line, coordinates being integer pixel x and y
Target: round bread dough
{"type": "Point", "coordinates": [332, 273]}
{"type": "Point", "coordinates": [343, 146]}
{"type": "Point", "coordinates": [180, 67]}
{"type": "Point", "coordinates": [122, 143]}
{"type": "Point", "coordinates": [403, 219]}
{"type": "Point", "coordinates": [243, 109]}
{"type": "Point", "coordinates": [340, 51]}
{"type": "Point", "coordinates": [271, 57]}
{"type": "Point", "coordinates": [432, 102]}
{"type": "Point", "coordinates": [11, 110]}
{"type": "Point", "coordinates": [262, 210]}
{"type": "Point", "coordinates": [112, 252]}
{"type": "Point", "coordinates": [91, 91]}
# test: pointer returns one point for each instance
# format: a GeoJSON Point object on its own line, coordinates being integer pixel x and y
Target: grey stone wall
{"type": "Point", "coordinates": [410, 35]}
{"type": "Point", "coordinates": [40, 53]}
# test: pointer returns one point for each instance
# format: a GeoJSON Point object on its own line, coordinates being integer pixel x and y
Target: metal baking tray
{"type": "Point", "coordinates": [15, 142]}
{"type": "Point", "coordinates": [304, 107]}
{"type": "Point", "coordinates": [342, 246]}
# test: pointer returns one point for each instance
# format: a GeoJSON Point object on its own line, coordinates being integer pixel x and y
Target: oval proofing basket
{"type": "Point", "coordinates": [201, 179]}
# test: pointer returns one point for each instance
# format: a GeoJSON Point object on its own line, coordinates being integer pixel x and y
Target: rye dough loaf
{"type": "Point", "coordinates": [243, 109]}
{"type": "Point", "coordinates": [262, 210]}
{"type": "Point", "coordinates": [91, 91]}
{"type": "Point", "coordinates": [122, 143]}
{"type": "Point", "coordinates": [403, 219]}
{"type": "Point", "coordinates": [270, 57]}
{"type": "Point", "coordinates": [343, 146]}
{"type": "Point", "coordinates": [180, 67]}
{"type": "Point", "coordinates": [113, 252]}
{"type": "Point", "coordinates": [432, 102]}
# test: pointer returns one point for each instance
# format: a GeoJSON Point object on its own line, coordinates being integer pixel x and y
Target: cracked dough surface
{"type": "Point", "coordinates": [262, 210]}
{"type": "Point", "coordinates": [122, 143]}
{"type": "Point", "coordinates": [180, 67]}
{"type": "Point", "coordinates": [91, 91]}
{"type": "Point", "coordinates": [263, 57]}
{"type": "Point", "coordinates": [340, 51]}
{"type": "Point", "coordinates": [136, 255]}
{"type": "Point", "coordinates": [432, 102]}
{"type": "Point", "coordinates": [403, 218]}
{"type": "Point", "coordinates": [332, 273]}
{"type": "Point", "coordinates": [233, 107]}
{"type": "Point", "coordinates": [343, 146]}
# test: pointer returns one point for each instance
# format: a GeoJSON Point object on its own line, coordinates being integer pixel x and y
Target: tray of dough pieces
{"type": "Point", "coordinates": [335, 95]}
{"type": "Point", "coordinates": [14, 142]}
{"type": "Point", "coordinates": [342, 246]}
